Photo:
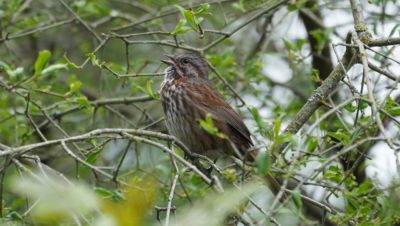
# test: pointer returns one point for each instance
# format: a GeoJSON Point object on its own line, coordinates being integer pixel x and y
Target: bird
{"type": "Point", "coordinates": [187, 97]}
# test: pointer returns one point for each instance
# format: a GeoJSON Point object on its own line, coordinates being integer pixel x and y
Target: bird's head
{"type": "Point", "coordinates": [189, 64]}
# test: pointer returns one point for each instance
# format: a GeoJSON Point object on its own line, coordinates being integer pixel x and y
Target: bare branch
{"type": "Point", "coordinates": [81, 21]}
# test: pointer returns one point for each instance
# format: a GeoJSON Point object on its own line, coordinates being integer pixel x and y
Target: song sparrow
{"type": "Point", "coordinates": [187, 96]}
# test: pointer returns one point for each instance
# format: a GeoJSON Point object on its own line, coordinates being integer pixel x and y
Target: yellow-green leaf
{"type": "Point", "coordinates": [208, 125]}
{"type": "Point", "coordinates": [41, 61]}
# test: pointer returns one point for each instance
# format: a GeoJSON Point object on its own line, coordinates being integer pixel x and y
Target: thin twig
{"type": "Point", "coordinates": [116, 170]}
{"type": "Point", "coordinates": [267, 9]}
{"type": "Point", "coordinates": [36, 30]}
{"type": "Point", "coordinates": [81, 20]}
{"type": "Point", "coordinates": [130, 75]}
{"type": "Point", "coordinates": [172, 192]}
{"type": "Point", "coordinates": [90, 166]}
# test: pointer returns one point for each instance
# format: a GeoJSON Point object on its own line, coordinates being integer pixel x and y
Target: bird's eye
{"type": "Point", "coordinates": [185, 61]}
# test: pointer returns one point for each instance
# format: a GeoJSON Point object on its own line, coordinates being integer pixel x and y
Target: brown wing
{"type": "Point", "coordinates": [227, 120]}
{"type": "Point", "coordinates": [234, 122]}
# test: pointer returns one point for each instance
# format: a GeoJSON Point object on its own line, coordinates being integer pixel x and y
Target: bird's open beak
{"type": "Point", "coordinates": [171, 60]}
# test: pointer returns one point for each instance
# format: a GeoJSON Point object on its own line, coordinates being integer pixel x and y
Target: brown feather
{"type": "Point", "coordinates": [225, 118]}
{"type": "Point", "coordinates": [187, 96]}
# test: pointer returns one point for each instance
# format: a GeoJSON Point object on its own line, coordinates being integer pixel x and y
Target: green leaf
{"type": "Point", "coordinates": [394, 111]}
{"type": "Point", "coordinates": [202, 9]}
{"type": "Point", "coordinates": [354, 203]}
{"type": "Point", "coordinates": [15, 216]}
{"type": "Point", "coordinates": [339, 135]}
{"type": "Point", "coordinates": [239, 6]}
{"type": "Point", "coordinates": [299, 43]}
{"type": "Point", "coordinates": [291, 7]}
{"type": "Point", "coordinates": [105, 193]}
{"type": "Point", "coordinates": [288, 45]}
{"type": "Point", "coordinates": [70, 63]}
{"type": "Point", "coordinates": [363, 105]}
{"type": "Point", "coordinates": [296, 197]}
{"type": "Point", "coordinates": [230, 174]}
{"type": "Point", "coordinates": [390, 102]}
{"type": "Point", "coordinates": [208, 125]}
{"type": "Point", "coordinates": [41, 61]}
{"type": "Point", "coordinates": [296, 46]}
{"type": "Point", "coordinates": [282, 138]}
{"type": "Point", "coordinates": [149, 90]}
{"type": "Point", "coordinates": [91, 159]}
{"type": "Point", "coordinates": [54, 67]}
{"type": "Point", "coordinates": [74, 86]}
{"type": "Point", "coordinates": [4, 67]}
{"type": "Point", "coordinates": [94, 60]}
{"type": "Point", "coordinates": [277, 126]}
{"type": "Point", "coordinates": [82, 101]}
{"type": "Point", "coordinates": [263, 163]}
{"type": "Point", "coordinates": [313, 143]}
{"type": "Point", "coordinates": [392, 107]}
{"type": "Point", "coordinates": [322, 37]}
{"type": "Point", "coordinates": [334, 168]}
{"type": "Point", "coordinates": [180, 8]}
{"type": "Point", "coordinates": [350, 108]}
{"type": "Point", "coordinates": [181, 28]}
{"type": "Point", "coordinates": [17, 74]}
{"type": "Point", "coordinates": [262, 126]}
{"type": "Point", "coordinates": [190, 17]}
{"type": "Point", "coordinates": [365, 187]}
{"type": "Point", "coordinates": [334, 174]}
